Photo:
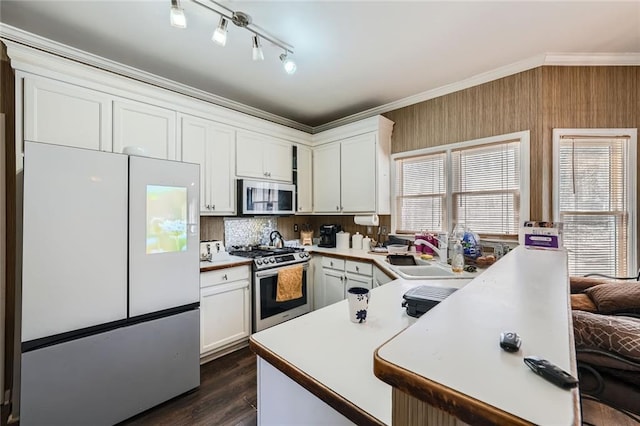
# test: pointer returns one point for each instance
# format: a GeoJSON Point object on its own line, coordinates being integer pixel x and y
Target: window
{"type": "Point", "coordinates": [595, 196]}
{"type": "Point", "coordinates": [482, 183]}
{"type": "Point", "coordinates": [421, 193]}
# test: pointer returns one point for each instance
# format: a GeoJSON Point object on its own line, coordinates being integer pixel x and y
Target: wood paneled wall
{"type": "Point", "coordinates": [536, 100]}
{"type": "Point", "coordinates": [586, 97]}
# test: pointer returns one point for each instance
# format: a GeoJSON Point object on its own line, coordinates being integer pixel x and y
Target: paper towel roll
{"type": "Point", "coordinates": [342, 240]}
{"type": "Point", "coordinates": [371, 220]}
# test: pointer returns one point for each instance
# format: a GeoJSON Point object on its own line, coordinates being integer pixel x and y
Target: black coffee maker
{"type": "Point", "coordinates": [328, 235]}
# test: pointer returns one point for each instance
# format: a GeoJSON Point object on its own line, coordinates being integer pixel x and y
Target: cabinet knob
{"type": "Point", "coordinates": [357, 269]}
{"type": "Point", "coordinates": [265, 174]}
{"type": "Point", "coordinates": [269, 174]}
{"type": "Point", "coordinates": [224, 277]}
{"type": "Point", "coordinates": [213, 206]}
{"type": "Point", "coordinates": [331, 263]}
{"type": "Point", "coordinates": [337, 207]}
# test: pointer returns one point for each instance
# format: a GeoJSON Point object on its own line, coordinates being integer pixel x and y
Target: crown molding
{"type": "Point", "coordinates": [593, 59]}
{"type": "Point", "coordinates": [20, 36]}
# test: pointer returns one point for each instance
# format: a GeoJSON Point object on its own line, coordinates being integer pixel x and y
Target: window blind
{"type": "Point", "coordinates": [420, 193]}
{"type": "Point", "coordinates": [593, 204]}
{"type": "Point", "coordinates": [486, 187]}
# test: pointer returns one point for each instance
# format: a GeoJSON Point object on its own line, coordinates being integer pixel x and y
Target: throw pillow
{"type": "Point", "coordinates": [616, 298]}
{"type": "Point", "coordinates": [582, 302]}
{"type": "Point", "coordinates": [607, 333]}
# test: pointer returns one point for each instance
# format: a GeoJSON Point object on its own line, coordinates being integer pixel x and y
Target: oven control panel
{"type": "Point", "coordinates": [281, 260]}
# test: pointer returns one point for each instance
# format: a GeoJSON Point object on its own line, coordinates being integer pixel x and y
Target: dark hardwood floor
{"type": "Point", "coordinates": [226, 396]}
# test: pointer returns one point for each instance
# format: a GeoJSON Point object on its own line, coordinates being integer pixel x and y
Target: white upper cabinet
{"type": "Point", "coordinates": [212, 146]}
{"type": "Point", "coordinates": [326, 178]}
{"type": "Point", "coordinates": [263, 157]}
{"type": "Point", "coordinates": [358, 172]}
{"type": "Point", "coordinates": [304, 167]}
{"type": "Point", "coordinates": [64, 114]}
{"type": "Point", "coordinates": [149, 127]}
{"type": "Point", "coordinates": [351, 171]}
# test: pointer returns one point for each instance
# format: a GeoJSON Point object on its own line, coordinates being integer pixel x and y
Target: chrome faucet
{"type": "Point", "coordinates": [441, 252]}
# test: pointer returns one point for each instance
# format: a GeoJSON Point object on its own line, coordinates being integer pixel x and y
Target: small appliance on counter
{"type": "Point", "coordinates": [212, 250]}
{"type": "Point", "coordinates": [328, 235]}
{"type": "Point", "coordinates": [306, 235]}
{"type": "Point", "coordinates": [421, 299]}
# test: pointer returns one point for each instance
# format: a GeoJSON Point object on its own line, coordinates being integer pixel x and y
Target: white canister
{"type": "Point", "coordinates": [366, 243]}
{"type": "Point", "coordinates": [356, 241]}
{"type": "Point", "coordinates": [342, 240]}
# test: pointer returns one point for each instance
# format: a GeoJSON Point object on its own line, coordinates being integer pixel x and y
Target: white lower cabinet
{"type": "Point", "coordinates": [380, 278]}
{"type": "Point", "coordinates": [333, 286]}
{"type": "Point", "coordinates": [225, 308]}
{"type": "Point", "coordinates": [338, 275]}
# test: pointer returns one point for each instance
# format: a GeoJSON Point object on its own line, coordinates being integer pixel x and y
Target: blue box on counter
{"type": "Point", "coordinates": [543, 235]}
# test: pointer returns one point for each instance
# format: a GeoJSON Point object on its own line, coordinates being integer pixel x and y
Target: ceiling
{"type": "Point", "coordinates": [352, 56]}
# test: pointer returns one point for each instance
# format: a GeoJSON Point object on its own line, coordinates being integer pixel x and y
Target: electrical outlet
{"type": "Point", "coordinates": [383, 230]}
{"type": "Point", "coordinates": [295, 227]}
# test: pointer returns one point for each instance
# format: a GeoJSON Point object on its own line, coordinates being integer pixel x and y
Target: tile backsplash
{"type": "Point", "coordinates": [248, 231]}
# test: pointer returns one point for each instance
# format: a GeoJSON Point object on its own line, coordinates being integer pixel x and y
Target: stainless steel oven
{"type": "Point", "coordinates": [267, 263]}
{"type": "Point", "coordinates": [267, 311]}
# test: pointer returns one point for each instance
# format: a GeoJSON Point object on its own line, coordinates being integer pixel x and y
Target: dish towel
{"type": "Point", "coordinates": [289, 285]}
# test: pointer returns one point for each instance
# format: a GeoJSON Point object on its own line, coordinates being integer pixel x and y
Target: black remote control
{"type": "Point", "coordinates": [550, 372]}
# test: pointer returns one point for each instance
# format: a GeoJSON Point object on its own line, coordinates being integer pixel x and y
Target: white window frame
{"type": "Point", "coordinates": [632, 167]}
{"type": "Point", "coordinates": [525, 177]}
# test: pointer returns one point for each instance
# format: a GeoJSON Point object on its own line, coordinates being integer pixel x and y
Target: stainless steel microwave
{"type": "Point", "coordinates": [265, 198]}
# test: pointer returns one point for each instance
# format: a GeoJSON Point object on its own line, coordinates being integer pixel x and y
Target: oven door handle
{"type": "Point", "coordinates": [274, 271]}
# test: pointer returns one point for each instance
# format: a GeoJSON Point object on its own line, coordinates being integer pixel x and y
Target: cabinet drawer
{"type": "Point", "coordinates": [361, 268]}
{"type": "Point", "coordinates": [223, 276]}
{"type": "Point", "coordinates": [333, 263]}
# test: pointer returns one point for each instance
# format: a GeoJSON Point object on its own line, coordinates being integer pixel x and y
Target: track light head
{"type": "Point", "coordinates": [289, 65]}
{"type": "Point", "coordinates": [257, 53]}
{"type": "Point", "coordinates": [176, 16]}
{"type": "Point", "coordinates": [242, 20]}
{"type": "Point", "coordinates": [220, 34]}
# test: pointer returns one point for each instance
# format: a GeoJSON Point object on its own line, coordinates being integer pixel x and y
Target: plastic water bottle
{"type": "Point", "coordinates": [457, 260]}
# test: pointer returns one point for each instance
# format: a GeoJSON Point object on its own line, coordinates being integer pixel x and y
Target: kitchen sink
{"type": "Point", "coordinates": [429, 271]}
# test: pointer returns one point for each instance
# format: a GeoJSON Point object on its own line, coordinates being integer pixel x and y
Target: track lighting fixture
{"type": "Point", "coordinates": [176, 15]}
{"type": "Point", "coordinates": [257, 53]}
{"type": "Point", "coordinates": [239, 19]}
{"type": "Point", "coordinates": [289, 65]}
{"type": "Point", "coordinates": [220, 34]}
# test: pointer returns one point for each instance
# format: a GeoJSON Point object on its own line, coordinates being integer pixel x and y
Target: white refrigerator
{"type": "Point", "coordinates": [110, 284]}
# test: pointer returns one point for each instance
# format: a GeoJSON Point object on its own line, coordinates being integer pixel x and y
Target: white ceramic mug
{"type": "Point", "coordinates": [358, 303]}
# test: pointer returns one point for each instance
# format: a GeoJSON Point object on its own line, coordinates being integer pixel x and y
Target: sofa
{"type": "Point", "coordinates": [606, 322]}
